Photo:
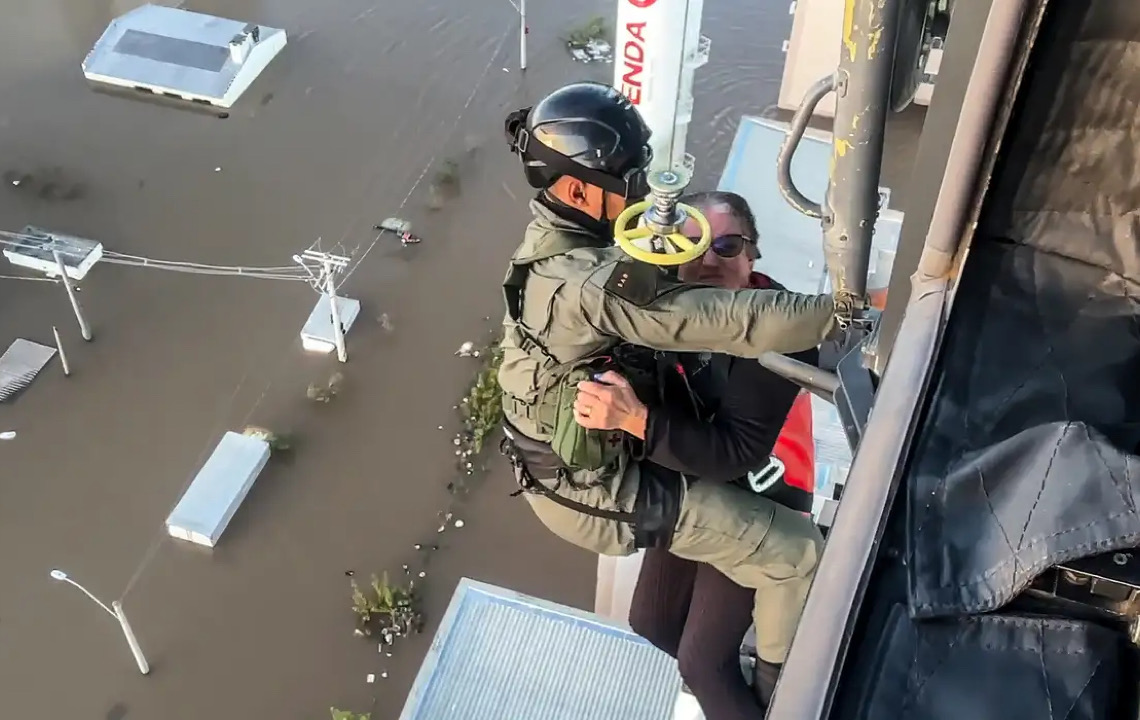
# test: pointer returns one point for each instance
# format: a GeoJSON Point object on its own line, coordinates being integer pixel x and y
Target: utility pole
{"type": "Point", "coordinates": [59, 349]}
{"type": "Point", "coordinates": [115, 611]}
{"type": "Point", "coordinates": [330, 266]}
{"type": "Point", "coordinates": [84, 328]}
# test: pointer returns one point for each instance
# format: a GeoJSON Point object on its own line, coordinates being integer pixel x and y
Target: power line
{"type": "Point", "coordinates": [24, 277]}
{"type": "Point", "coordinates": [23, 241]}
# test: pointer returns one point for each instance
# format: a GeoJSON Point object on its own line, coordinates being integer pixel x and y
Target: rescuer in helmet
{"type": "Point", "coordinates": [577, 306]}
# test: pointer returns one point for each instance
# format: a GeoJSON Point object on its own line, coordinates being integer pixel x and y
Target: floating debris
{"type": "Point", "coordinates": [388, 611]}
{"type": "Point", "coordinates": [370, 678]}
{"type": "Point", "coordinates": [386, 322]}
{"type": "Point", "coordinates": [592, 52]}
{"type": "Point", "coordinates": [394, 224]}
{"type": "Point", "coordinates": [587, 43]}
{"type": "Point", "coordinates": [467, 349]}
{"type": "Point", "coordinates": [8, 435]}
{"type": "Point", "coordinates": [326, 392]}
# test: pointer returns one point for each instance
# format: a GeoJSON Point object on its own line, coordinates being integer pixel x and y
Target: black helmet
{"type": "Point", "coordinates": [588, 131]}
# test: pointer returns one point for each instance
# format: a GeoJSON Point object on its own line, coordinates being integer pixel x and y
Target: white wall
{"type": "Point", "coordinates": [813, 52]}
{"type": "Point", "coordinates": [617, 577]}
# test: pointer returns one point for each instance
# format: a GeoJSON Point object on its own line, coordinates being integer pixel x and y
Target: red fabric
{"type": "Point", "coordinates": [795, 446]}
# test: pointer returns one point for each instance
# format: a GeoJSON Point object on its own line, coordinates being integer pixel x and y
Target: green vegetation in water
{"type": "Point", "coordinates": [447, 174]}
{"type": "Point", "coordinates": [386, 609]}
{"type": "Point", "coordinates": [390, 610]}
{"type": "Point", "coordinates": [595, 28]}
{"type": "Point", "coordinates": [444, 185]}
{"type": "Point", "coordinates": [482, 407]}
{"type": "Point", "coordinates": [338, 714]}
{"type": "Point", "coordinates": [277, 442]}
{"type": "Point", "coordinates": [326, 391]}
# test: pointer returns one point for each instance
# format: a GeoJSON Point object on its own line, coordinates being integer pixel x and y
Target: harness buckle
{"type": "Point", "coordinates": [762, 480]}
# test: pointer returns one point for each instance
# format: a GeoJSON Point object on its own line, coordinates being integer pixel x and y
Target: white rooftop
{"type": "Point", "coordinates": [182, 54]}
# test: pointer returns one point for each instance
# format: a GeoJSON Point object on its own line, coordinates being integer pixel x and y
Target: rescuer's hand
{"type": "Point", "coordinates": [610, 404]}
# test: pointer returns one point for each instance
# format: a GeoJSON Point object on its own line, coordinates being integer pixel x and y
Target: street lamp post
{"type": "Point", "coordinates": [522, 34]}
{"type": "Point", "coordinates": [520, 8]}
{"type": "Point", "coordinates": [116, 611]}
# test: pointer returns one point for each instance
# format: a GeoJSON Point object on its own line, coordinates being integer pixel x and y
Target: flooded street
{"type": "Point", "coordinates": [347, 126]}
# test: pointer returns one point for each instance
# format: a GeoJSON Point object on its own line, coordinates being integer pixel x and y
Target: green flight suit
{"type": "Point", "coordinates": [574, 306]}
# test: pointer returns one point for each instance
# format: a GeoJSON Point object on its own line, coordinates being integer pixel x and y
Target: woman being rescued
{"type": "Point", "coordinates": [753, 427]}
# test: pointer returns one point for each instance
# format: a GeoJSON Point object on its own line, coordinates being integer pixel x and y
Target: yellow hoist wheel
{"type": "Point", "coordinates": [679, 249]}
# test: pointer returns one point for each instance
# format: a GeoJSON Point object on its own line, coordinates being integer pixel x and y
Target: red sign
{"type": "Point", "coordinates": [633, 60]}
{"type": "Point", "coordinates": [642, 3]}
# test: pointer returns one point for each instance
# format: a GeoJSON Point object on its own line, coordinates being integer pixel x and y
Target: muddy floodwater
{"type": "Point", "coordinates": [349, 125]}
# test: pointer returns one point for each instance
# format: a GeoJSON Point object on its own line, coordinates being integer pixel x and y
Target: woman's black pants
{"type": "Point", "coordinates": [696, 614]}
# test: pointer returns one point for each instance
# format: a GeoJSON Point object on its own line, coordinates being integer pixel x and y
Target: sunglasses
{"type": "Point", "coordinates": [728, 246]}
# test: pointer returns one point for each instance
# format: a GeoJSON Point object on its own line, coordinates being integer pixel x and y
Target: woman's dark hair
{"type": "Point", "coordinates": [736, 205]}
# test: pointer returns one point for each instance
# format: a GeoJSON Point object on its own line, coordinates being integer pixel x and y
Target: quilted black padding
{"type": "Point", "coordinates": [1008, 667]}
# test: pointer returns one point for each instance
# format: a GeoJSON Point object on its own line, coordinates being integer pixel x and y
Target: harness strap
{"type": "Point", "coordinates": [528, 483]}
{"type": "Point", "coordinates": [513, 287]}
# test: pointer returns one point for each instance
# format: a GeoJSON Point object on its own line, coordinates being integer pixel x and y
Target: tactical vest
{"type": "Point", "coordinates": [552, 411]}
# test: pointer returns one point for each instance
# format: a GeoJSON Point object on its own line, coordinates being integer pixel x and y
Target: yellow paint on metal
{"type": "Point", "coordinates": [873, 47]}
{"type": "Point", "coordinates": [848, 28]}
{"type": "Point", "coordinates": [841, 147]}
{"type": "Point", "coordinates": [875, 23]}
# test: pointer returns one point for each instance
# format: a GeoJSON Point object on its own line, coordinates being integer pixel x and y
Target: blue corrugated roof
{"type": "Point", "coordinates": [501, 655]}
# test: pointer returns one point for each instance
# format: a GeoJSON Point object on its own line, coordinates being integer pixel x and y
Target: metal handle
{"type": "Point", "coordinates": [817, 92]}
{"type": "Point", "coordinates": [816, 381]}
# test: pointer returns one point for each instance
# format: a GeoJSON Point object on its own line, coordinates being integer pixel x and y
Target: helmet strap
{"type": "Point", "coordinates": [629, 186]}
{"type": "Point", "coordinates": [600, 228]}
